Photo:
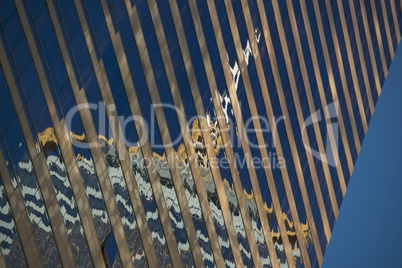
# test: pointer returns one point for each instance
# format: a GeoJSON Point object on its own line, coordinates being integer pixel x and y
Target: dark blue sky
{"type": "Point", "coordinates": [368, 232]}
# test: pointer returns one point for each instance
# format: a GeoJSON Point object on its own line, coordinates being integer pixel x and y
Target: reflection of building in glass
{"type": "Point", "coordinates": [256, 180]}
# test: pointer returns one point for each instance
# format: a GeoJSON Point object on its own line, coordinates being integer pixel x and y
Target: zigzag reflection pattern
{"type": "Point", "coordinates": [10, 243]}
{"type": "Point", "coordinates": [71, 218]}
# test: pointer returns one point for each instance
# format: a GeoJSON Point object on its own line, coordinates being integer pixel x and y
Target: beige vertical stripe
{"type": "Point", "coordinates": [146, 148]}
{"type": "Point", "coordinates": [330, 131]}
{"type": "Point", "coordinates": [342, 75]}
{"type": "Point", "coordinates": [20, 216]}
{"type": "Point", "coordinates": [206, 136]}
{"type": "Point", "coordinates": [39, 162]}
{"type": "Point", "coordinates": [335, 98]}
{"type": "Point", "coordinates": [396, 22]}
{"type": "Point", "coordinates": [387, 28]}
{"type": "Point", "coordinates": [351, 64]}
{"type": "Point", "coordinates": [92, 137]}
{"type": "Point", "coordinates": [373, 60]}
{"type": "Point", "coordinates": [130, 181]}
{"type": "Point", "coordinates": [378, 33]}
{"type": "Point", "coordinates": [238, 117]}
{"type": "Point", "coordinates": [69, 161]}
{"type": "Point", "coordinates": [312, 109]}
{"type": "Point", "coordinates": [359, 46]}
{"type": "Point", "coordinates": [161, 120]}
{"type": "Point", "coordinates": [310, 159]}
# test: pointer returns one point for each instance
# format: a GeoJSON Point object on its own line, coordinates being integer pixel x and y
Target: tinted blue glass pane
{"type": "Point", "coordinates": [10, 244]}
{"type": "Point", "coordinates": [111, 249]}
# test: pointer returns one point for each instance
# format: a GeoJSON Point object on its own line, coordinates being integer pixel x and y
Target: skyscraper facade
{"type": "Point", "coordinates": [183, 133]}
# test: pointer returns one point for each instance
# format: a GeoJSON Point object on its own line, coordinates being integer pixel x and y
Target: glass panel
{"type": "Point", "coordinates": [10, 243]}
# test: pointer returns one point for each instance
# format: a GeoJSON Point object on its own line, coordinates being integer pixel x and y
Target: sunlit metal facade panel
{"type": "Point", "coordinates": [183, 133]}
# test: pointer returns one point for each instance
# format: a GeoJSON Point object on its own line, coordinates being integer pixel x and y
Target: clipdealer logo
{"type": "Point", "coordinates": [329, 115]}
